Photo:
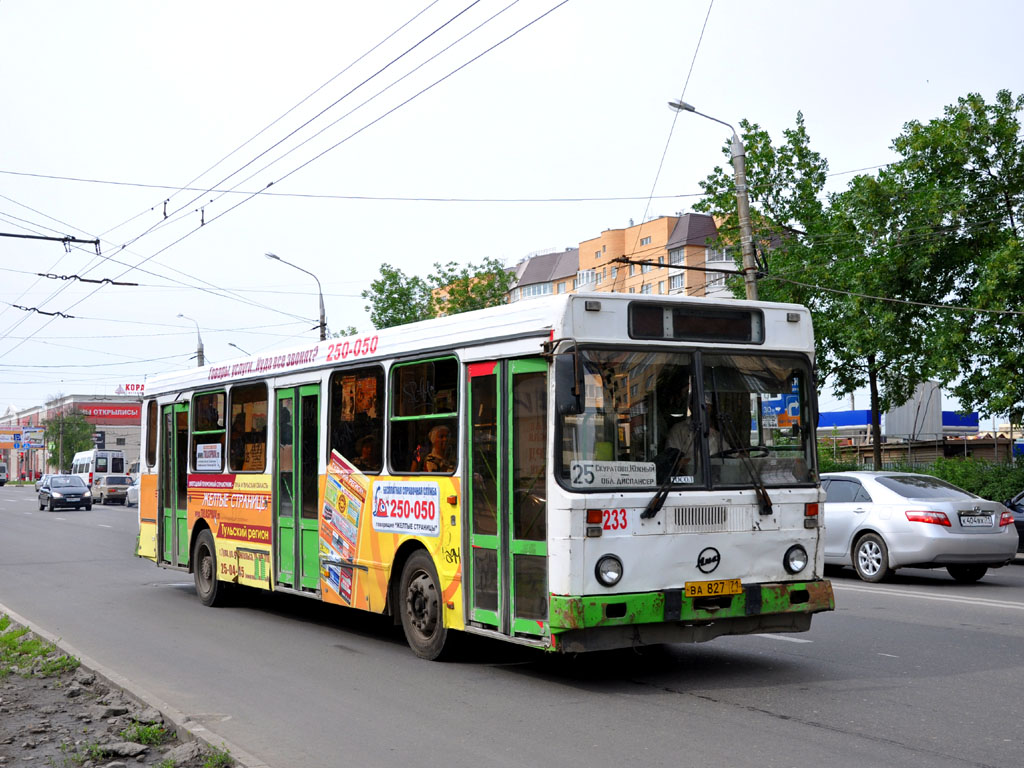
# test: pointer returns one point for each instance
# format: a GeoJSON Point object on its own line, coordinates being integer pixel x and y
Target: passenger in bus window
{"type": "Point", "coordinates": [437, 460]}
{"type": "Point", "coordinates": [366, 453]}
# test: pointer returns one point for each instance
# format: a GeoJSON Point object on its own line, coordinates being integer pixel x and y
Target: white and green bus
{"type": "Point", "coordinates": [574, 473]}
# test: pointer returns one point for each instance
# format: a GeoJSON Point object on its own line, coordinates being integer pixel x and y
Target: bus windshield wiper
{"type": "Point", "coordinates": [725, 425]}
{"type": "Point", "coordinates": [658, 499]}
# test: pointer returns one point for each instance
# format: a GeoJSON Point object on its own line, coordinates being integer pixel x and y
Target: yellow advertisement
{"type": "Point", "coordinates": [237, 508]}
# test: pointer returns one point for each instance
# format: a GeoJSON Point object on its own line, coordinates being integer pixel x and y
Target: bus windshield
{"type": "Point", "coordinates": [634, 419]}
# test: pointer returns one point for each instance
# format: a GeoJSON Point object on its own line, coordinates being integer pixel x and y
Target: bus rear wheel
{"type": "Point", "coordinates": [210, 589]}
{"type": "Point", "coordinates": [420, 606]}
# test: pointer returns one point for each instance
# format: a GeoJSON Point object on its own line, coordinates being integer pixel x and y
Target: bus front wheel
{"type": "Point", "coordinates": [211, 591]}
{"type": "Point", "coordinates": [419, 598]}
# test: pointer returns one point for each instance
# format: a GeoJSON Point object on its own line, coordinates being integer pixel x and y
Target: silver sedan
{"type": "Point", "coordinates": [880, 521]}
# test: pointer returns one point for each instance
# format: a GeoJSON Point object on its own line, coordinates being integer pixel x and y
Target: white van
{"type": "Point", "coordinates": [3, 473]}
{"type": "Point", "coordinates": [89, 465]}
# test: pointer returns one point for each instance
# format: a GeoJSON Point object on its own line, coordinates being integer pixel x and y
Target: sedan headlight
{"type": "Point", "coordinates": [57, 494]}
{"type": "Point", "coordinates": [795, 559]}
{"type": "Point", "coordinates": [87, 494]}
{"type": "Point", "coordinates": [608, 570]}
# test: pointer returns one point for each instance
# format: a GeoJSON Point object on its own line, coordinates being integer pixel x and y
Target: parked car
{"type": "Point", "coordinates": [111, 489]}
{"type": "Point", "coordinates": [39, 482]}
{"type": "Point", "coordinates": [64, 491]}
{"type": "Point", "coordinates": [133, 493]}
{"type": "Point", "coordinates": [1016, 507]}
{"type": "Point", "coordinates": [880, 521]}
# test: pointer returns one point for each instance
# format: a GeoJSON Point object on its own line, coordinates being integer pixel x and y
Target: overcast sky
{"type": "Point", "coordinates": [557, 133]}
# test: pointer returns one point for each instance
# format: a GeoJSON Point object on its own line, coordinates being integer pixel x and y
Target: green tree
{"type": "Point", "coordinates": [856, 243]}
{"type": "Point", "coordinates": [67, 433]}
{"type": "Point", "coordinates": [970, 162]}
{"type": "Point", "coordinates": [461, 289]}
{"type": "Point", "coordinates": [396, 298]}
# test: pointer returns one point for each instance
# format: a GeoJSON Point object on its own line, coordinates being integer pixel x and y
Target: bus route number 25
{"type": "Point", "coordinates": [615, 520]}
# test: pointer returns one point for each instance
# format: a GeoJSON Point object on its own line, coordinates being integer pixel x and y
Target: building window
{"type": "Point", "coordinates": [561, 287]}
{"type": "Point", "coordinates": [661, 286]}
{"type": "Point", "coordinates": [717, 254]}
{"type": "Point", "coordinates": [119, 441]}
{"type": "Point", "coordinates": [537, 289]}
{"type": "Point", "coordinates": [631, 290]}
{"type": "Point", "coordinates": [646, 268]}
{"type": "Point", "coordinates": [604, 248]}
{"type": "Point", "coordinates": [645, 288]}
{"type": "Point", "coordinates": [632, 269]}
{"type": "Point", "coordinates": [615, 272]}
{"type": "Point", "coordinates": [661, 259]}
{"type": "Point", "coordinates": [676, 256]}
{"type": "Point", "coordinates": [675, 283]}
{"type": "Point", "coordinates": [575, 283]}
{"type": "Point", "coordinates": [597, 254]}
{"type": "Point", "coordinates": [646, 241]}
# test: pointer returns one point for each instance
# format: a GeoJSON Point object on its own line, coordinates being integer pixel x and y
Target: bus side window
{"type": "Point", "coordinates": [248, 440]}
{"type": "Point", "coordinates": [424, 433]}
{"type": "Point", "coordinates": [356, 416]}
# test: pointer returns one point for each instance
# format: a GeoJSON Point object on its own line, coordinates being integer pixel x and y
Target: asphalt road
{"type": "Point", "coordinates": [917, 672]}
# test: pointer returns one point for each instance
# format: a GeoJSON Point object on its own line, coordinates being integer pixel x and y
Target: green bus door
{"type": "Point", "coordinates": [296, 487]}
{"type": "Point", "coordinates": [508, 588]}
{"type": "Point", "coordinates": [172, 533]}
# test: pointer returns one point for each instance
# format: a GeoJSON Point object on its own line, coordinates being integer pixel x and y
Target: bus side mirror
{"type": "Point", "coordinates": [568, 385]}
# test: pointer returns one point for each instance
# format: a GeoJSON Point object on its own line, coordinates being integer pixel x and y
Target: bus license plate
{"type": "Point", "coordinates": [712, 588]}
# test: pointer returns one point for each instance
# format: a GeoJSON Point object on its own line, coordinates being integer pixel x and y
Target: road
{"type": "Point", "coordinates": [918, 672]}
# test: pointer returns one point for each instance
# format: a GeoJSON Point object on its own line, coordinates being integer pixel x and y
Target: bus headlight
{"type": "Point", "coordinates": [608, 570]}
{"type": "Point", "coordinates": [795, 559]}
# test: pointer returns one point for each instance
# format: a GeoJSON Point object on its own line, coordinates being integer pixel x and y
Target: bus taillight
{"type": "Point", "coordinates": [811, 515]}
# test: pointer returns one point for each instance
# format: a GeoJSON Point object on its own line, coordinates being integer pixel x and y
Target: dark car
{"type": "Point", "coordinates": [64, 491]}
{"type": "Point", "coordinates": [1016, 506]}
{"type": "Point", "coordinates": [111, 489]}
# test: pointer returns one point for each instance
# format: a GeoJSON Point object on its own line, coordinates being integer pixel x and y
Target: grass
{"type": "Point", "coordinates": [29, 656]}
{"type": "Point", "coordinates": [218, 758]}
{"type": "Point", "coordinates": [150, 735]}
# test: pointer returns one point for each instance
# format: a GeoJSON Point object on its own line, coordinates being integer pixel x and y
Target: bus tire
{"type": "Point", "coordinates": [420, 607]}
{"type": "Point", "coordinates": [210, 589]}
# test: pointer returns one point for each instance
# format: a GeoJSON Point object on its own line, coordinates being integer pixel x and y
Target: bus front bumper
{"type": "Point", "coordinates": [615, 621]}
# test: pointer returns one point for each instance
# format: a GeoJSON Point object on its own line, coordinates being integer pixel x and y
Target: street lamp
{"type": "Point", "coordinates": [199, 338]}
{"type": "Point", "coordinates": [739, 154]}
{"type": "Point", "coordinates": [323, 318]}
{"type": "Point", "coordinates": [232, 344]}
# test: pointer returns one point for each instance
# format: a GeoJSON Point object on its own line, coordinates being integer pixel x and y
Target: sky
{"type": "Point", "coordinates": [191, 138]}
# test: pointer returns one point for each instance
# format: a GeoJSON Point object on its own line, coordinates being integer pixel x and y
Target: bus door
{"type": "Point", "coordinates": [296, 485]}
{"type": "Point", "coordinates": [507, 577]}
{"type": "Point", "coordinates": [172, 536]}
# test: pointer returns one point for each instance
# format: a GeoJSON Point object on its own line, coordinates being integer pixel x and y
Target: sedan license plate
{"type": "Point", "coordinates": [712, 588]}
{"type": "Point", "coordinates": [976, 521]}
{"type": "Point", "coordinates": [71, 498]}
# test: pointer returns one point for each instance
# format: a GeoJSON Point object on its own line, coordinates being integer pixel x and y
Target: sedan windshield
{"type": "Point", "coordinates": [71, 481]}
{"type": "Point", "coordinates": [633, 420]}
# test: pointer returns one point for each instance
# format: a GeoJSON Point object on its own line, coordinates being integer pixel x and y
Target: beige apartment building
{"type": "Point", "coordinates": [665, 243]}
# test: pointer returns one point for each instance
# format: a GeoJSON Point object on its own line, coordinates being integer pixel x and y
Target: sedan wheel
{"type": "Point", "coordinates": [871, 558]}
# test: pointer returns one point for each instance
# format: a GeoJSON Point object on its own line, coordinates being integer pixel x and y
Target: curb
{"type": "Point", "coordinates": [188, 730]}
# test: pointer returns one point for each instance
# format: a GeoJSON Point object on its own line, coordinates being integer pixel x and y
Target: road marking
{"type": "Point", "coordinates": [105, 526]}
{"type": "Point", "coordinates": [787, 638]}
{"type": "Point", "coordinates": [888, 655]}
{"type": "Point", "coordinates": [983, 601]}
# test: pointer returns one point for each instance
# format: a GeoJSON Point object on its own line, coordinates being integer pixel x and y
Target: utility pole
{"type": "Point", "coordinates": [739, 168]}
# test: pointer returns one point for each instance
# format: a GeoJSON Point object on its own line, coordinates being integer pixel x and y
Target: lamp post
{"type": "Point", "coordinates": [232, 344]}
{"type": "Point", "coordinates": [201, 361]}
{"type": "Point", "coordinates": [323, 318]}
{"type": "Point", "coordinates": [739, 155]}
